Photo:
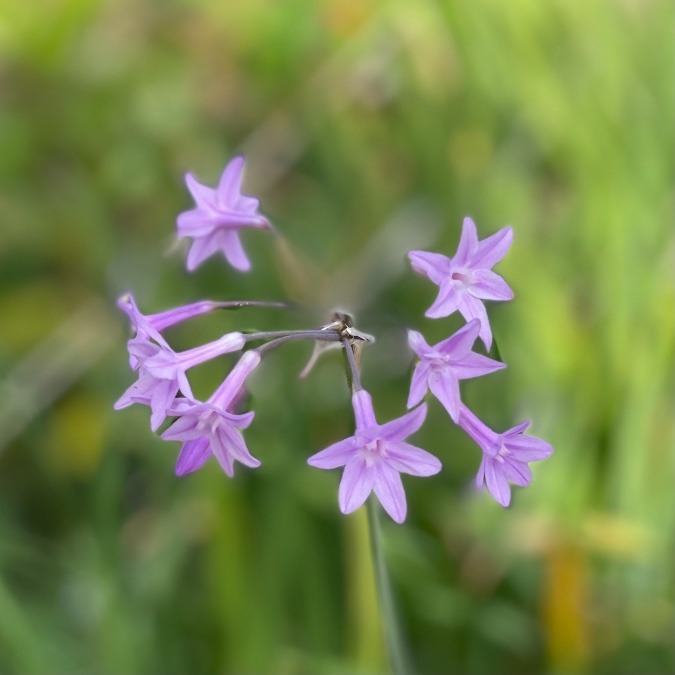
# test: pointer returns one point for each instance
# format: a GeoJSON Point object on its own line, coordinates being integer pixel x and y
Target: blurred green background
{"type": "Point", "coordinates": [369, 128]}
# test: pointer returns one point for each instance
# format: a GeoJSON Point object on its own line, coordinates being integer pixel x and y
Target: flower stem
{"type": "Point", "coordinates": [279, 338]}
{"type": "Point", "coordinates": [353, 377]}
{"type": "Point", "coordinates": [398, 658]}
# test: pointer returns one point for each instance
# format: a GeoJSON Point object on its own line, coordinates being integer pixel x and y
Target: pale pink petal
{"type": "Point", "coordinates": [183, 429]}
{"type": "Point", "coordinates": [403, 426]}
{"type": "Point", "coordinates": [195, 223]}
{"type": "Point", "coordinates": [389, 490]}
{"type": "Point", "coordinates": [193, 456]}
{"type": "Point", "coordinates": [163, 396]}
{"type": "Point", "coordinates": [232, 439]}
{"type": "Point", "coordinates": [528, 448]}
{"type": "Point", "coordinates": [496, 482]}
{"type": "Point", "coordinates": [355, 486]}
{"type": "Point", "coordinates": [418, 384]}
{"type": "Point", "coordinates": [233, 250]}
{"type": "Point", "coordinates": [446, 301]}
{"type": "Point", "coordinates": [488, 285]}
{"type": "Point", "coordinates": [475, 365]}
{"type": "Point", "coordinates": [363, 410]}
{"type": "Point", "coordinates": [480, 476]}
{"type": "Point", "coordinates": [406, 458]}
{"type": "Point", "coordinates": [460, 343]}
{"type": "Point", "coordinates": [517, 473]}
{"type": "Point", "coordinates": [335, 455]}
{"type": "Point", "coordinates": [493, 249]}
{"type": "Point", "coordinates": [468, 243]}
{"type": "Point", "coordinates": [229, 186]}
{"type": "Point", "coordinates": [204, 196]}
{"type": "Point", "coordinates": [418, 344]}
{"type": "Point", "coordinates": [472, 308]}
{"type": "Point", "coordinates": [200, 250]}
{"type": "Point", "coordinates": [222, 453]}
{"type": "Point", "coordinates": [434, 266]}
{"type": "Point", "coordinates": [445, 387]}
{"type": "Point", "coordinates": [518, 429]}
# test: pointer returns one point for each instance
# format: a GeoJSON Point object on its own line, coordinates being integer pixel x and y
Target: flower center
{"type": "Point", "coordinates": [462, 277]}
{"type": "Point", "coordinates": [374, 451]}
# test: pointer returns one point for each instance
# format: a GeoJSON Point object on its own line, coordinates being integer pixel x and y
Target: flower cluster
{"type": "Point", "coordinates": [375, 456]}
{"type": "Point", "coordinates": [464, 282]}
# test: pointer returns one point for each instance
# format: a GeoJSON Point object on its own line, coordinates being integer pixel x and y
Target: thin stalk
{"type": "Point", "coordinates": [288, 336]}
{"type": "Point", "coordinates": [353, 376]}
{"type": "Point", "coordinates": [398, 658]}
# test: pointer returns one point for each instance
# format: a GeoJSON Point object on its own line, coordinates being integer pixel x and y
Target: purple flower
{"type": "Point", "coordinates": [442, 366]}
{"type": "Point", "coordinates": [220, 213]}
{"type": "Point", "coordinates": [374, 457]}
{"type": "Point", "coordinates": [210, 429]}
{"type": "Point", "coordinates": [161, 372]}
{"type": "Point", "coordinates": [147, 327]}
{"type": "Point", "coordinates": [466, 279]}
{"type": "Point", "coordinates": [505, 456]}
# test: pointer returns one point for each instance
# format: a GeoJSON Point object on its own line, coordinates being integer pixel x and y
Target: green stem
{"type": "Point", "coordinates": [398, 658]}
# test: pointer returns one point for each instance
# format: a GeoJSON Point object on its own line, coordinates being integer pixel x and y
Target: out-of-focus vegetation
{"type": "Point", "coordinates": [369, 128]}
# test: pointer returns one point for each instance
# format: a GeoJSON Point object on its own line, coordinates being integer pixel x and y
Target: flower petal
{"type": "Point", "coordinates": [445, 387]}
{"type": "Point", "coordinates": [476, 365]}
{"type": "Point", "coordinates": [335, 455]}
{"type": "Point", "coordinates": [418, 384]}
{"type": "Point", "coordinates": [193, 456]}
{"type": "Point", "coordinates": [480, 476]}
{"type": "Point", "coordinates": [356, 484]}
{"type": "Point", "coordinates": [204, 196]}
{"type": "Point", "coordinates": [389, 490]}
{"type": "Point", "coordinates": [229, 186]}
{"type": "Point", "coordinates": [233, 250]}
{"type": "Point", "coordinates": [220, 449]}
{"type": "Point", "coordinates": [363, 410]}
{"type": "Point", "coordinates": [200, 250]}
{"type": "Point", "coordinates": [233, 440]}
{"type": "Point", "coordinates": [488, 285]}
{"type": "Point", "coordinates": [195, 223]}
{"type": "Point", "coordinates": [460, 343]}
{"type": "Point", "coordinates": [404, 426]}
{"type": "Point", "coordinates": [492, 249]}
{"type": "Point", "coordinates": [472, 308]}
{"type": "Point", "coordinates": [419, 345]}
{"type": "Point", "coordinates": [528, 448]}
{"type": "Point", "coordinates": [447, 300]}
{"type": "Point", "coordinates": [183, 429]}
{"type": "Point", "coordinates": [517, 473]}
{"type": "Point", "coordinates": [406, 458]}
{"type": "Point", "coordinates": [468, 243]}
{"type": "Point", "coordinates": [434, 266]}
{"type": "Point", "coordinates": [496, 482]}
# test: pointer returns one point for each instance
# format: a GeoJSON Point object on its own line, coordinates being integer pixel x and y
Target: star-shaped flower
{"type": "Point", "coordinates": [210, 428]}
{"type": "Point", "coordinates": [505, 456]}
{"type": "Point", "coordinates": [466, 279]}
{"type": "Point", "coordinates": [220, 213]}
{"type": "Point", "coordinates": [442, 366]}
{"type": "Point", "coordinates": [374, 457]}
{"type": "Point", "coordinates": [161, 372]}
